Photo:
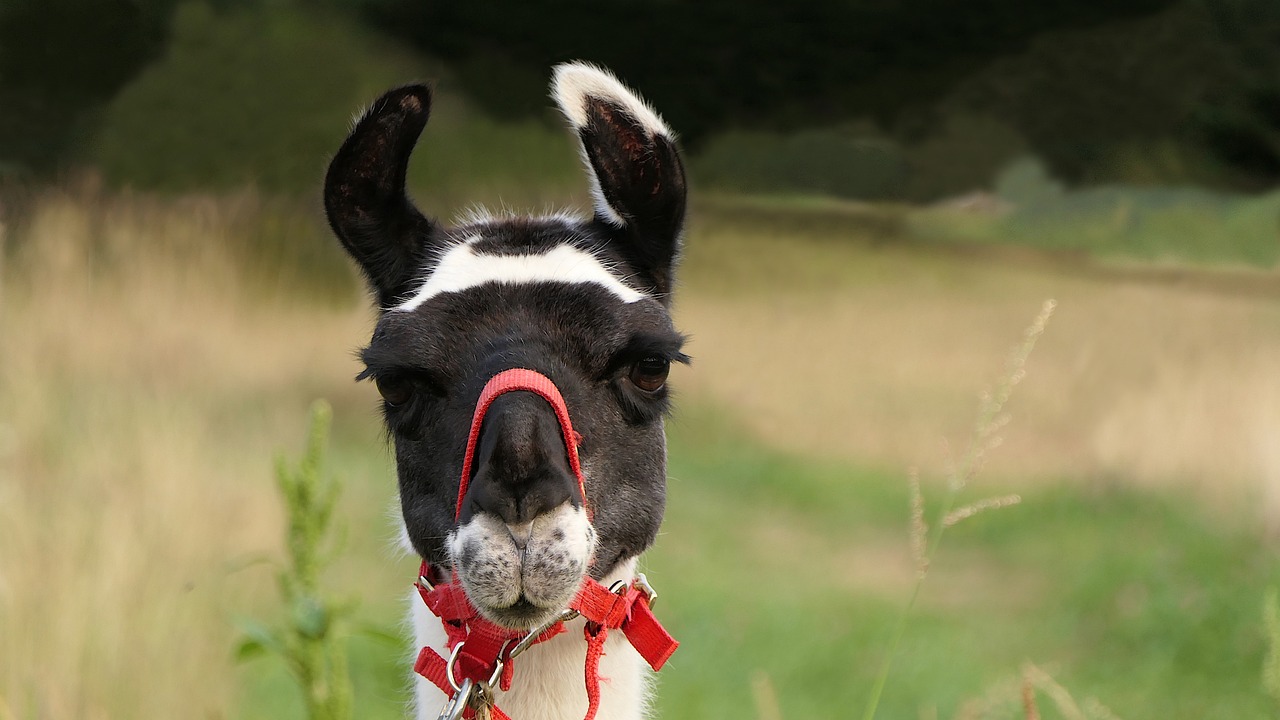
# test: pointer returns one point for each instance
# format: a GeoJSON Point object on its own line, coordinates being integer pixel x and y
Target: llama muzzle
{"type": "Point", "coordinates": [524, 540]}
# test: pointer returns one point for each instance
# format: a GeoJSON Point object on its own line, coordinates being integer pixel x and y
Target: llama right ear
{"type": "Point", "coordinates": [637, 177]}
{"type": "Point", "coordinates": [364, 193]}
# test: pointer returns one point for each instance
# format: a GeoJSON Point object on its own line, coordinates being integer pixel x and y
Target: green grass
{"type": "Point", "coordinates": [797, 568]}
{"type": "Point", "coordinates": [1170, 224]}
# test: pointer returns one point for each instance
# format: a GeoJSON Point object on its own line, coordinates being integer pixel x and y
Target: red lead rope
{"type": "Point", "coordinates": [479, 646]}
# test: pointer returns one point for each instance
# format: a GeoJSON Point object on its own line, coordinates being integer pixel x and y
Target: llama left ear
{"type": "Point", "coordinates": [364, 193]}
{"type": "Point", "coordinates": [637, 177]}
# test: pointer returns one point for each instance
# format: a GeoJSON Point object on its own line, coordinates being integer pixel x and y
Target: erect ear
{"type": "Point", "coordinates": [364, 194]}
{"type": "Point", "coordinates": [637, 177]}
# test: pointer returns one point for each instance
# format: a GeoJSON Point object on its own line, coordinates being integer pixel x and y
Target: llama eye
{"type": "Point", "coordinates": [395, 389]}
{"type": "Point", "coordinates": [650, 374]}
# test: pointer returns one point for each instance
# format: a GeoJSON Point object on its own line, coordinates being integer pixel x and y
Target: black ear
{"type": "Point", "coordinates": [637, 177]}
{"type": "Point", "coordinates": [364, 194]}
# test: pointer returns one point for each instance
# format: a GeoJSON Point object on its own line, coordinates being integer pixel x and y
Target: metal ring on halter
{"type": "Point", "coordinates": [498, 664]}
{"type": "Point", "coordinates": [453, 660]}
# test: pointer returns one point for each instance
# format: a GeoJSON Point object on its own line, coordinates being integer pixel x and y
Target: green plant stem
{"type": "Point", "coordinates": [312, 641]}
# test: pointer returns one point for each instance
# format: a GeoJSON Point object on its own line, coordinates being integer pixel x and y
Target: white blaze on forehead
{"type": "Point", "coordinates": [462, 268]}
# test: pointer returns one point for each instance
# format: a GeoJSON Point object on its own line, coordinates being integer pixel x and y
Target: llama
{"type": "Point", "coordinates": [560, 484]}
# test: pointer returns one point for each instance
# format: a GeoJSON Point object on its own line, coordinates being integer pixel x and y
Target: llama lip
{"type": "Point", "coordinates": [520, 579]}
{"type": "Point", "coordinates": [522, 614]}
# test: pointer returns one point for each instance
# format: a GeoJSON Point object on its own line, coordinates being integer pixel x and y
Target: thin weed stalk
{"type": "Point", "coordinates": [984, 439]}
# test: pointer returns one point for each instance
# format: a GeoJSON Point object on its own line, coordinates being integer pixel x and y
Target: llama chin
{"type": "Point", "coordinates": [582, 302]}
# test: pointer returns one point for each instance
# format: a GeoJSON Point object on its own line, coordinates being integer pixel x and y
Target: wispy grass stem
{"type": "Point", "coordinates": [984, 439]}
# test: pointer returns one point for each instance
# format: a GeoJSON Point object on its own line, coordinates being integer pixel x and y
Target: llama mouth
{"type": "Point", "coordinates": [523, 614]}
{"type": "Point", "coordinates": [523, 579]}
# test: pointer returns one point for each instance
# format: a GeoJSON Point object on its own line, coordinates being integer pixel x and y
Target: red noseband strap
{"type": "Point", "coordinates": [534, 382]}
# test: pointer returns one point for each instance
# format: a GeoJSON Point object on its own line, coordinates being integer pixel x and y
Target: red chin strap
{"type": "Point", "coordinates": [482, 653]}
{"type": "Point", "coordinates": [510, 381]}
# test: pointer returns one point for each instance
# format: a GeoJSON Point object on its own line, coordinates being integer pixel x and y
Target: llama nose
{"type": "Point", "coordinates": [522, 469]}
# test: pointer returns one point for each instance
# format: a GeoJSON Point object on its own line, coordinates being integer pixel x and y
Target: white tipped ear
{"type": "Point", "coordinates": [633, 165]}
{"type": "Point", "coordinates": [572, 83]}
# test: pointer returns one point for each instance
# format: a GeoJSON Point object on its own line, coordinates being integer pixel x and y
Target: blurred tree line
{"type": "Point", "coordinates": [934, 97]}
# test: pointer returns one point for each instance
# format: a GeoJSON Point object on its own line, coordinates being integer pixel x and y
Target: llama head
{"type": "Point", "coordinates": [583, 301]}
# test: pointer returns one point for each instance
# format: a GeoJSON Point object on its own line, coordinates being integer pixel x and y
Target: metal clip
{"type": "Point", "coordinates": [425, 583]}
{"type": "Point", "coordinates": [642, 582]}
{"type": "Point", "coordinates": [527, 641]}
{"type": "Point", "coordinates": [454, 709]}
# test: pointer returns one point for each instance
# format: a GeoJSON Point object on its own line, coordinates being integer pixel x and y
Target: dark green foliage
{"type": "Point", "coordinates": [259, 96]}
{"type": "Point", "coordinates": [1094, 87]}
{"type": "Point", "coordinates": [812, 162]}
{"type": "Point", "coordinates": [723, 63]}
{"type": "Point", "coordinates": [232, 91]}
{"type": "Point", "coordinates": [60, 62]}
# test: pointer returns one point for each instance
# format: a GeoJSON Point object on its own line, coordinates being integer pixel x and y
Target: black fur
{"type": "Point", "coordinates": [642, 179]}
{"type": "Point", "coordinates": [364, 193]}
{"type": "Point", "coordinates": [583, 338]}
{"type": "Point", "coordinates": [434, 360]}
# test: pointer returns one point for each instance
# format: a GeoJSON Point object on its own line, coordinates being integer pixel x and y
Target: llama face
{"type": "Point", "coordinates": [581, 300]}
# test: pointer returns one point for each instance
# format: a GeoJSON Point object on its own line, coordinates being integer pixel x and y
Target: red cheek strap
{"type": "Point", "coordinates": [530, 381]}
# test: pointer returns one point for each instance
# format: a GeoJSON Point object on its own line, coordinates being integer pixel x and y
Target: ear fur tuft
{"type": "Point", "coordinates": [633, 166]}
{"type": "Point", "coordinates": [573, 83]}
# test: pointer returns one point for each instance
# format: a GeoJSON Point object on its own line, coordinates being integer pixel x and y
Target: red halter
{"type": "Point", "coordinates": [509, 381]}
{"type": "Point", "coordinates": [483, 652]}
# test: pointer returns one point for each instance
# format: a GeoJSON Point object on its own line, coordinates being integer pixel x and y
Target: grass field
{"type": "Point", "coordinates": [154, 363]}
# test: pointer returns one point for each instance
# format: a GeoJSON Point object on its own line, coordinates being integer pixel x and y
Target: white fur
{"type": "Point", "coordinates": [548, 681]}
{"type": "Point", "coordinates": [461, 268]}
{"type": "Point", "coordinates": [571, 85]}
{"type": "Point", "coordinates": [481, 215]}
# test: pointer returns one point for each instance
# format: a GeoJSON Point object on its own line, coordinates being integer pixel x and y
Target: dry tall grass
{"type": "Point", "coordinates": [144, 391]}
{"type": "Point", "coordinates": [873, 353]}
{"type": "Point", "coordinates": [147, 378]}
